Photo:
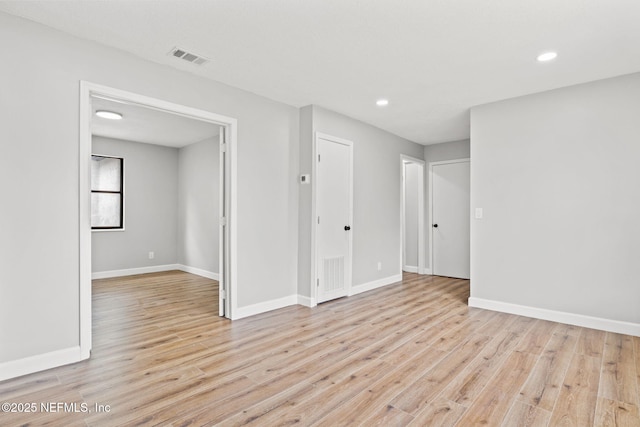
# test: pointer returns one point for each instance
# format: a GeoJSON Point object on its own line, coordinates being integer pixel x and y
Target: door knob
{"type": "Point", "coordinates": [435, 225]}
{"type": "Point", "coordinates": [347, 228]}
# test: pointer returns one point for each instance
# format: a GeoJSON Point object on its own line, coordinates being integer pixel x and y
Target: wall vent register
{"type": "Point", "coordinates": [188, 56]}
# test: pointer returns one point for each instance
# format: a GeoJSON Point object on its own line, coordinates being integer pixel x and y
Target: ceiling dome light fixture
{"type": "Point", "coordinates": [108, 115]}
{"type": "Point", "coordinates": [382, 102]}
{"type": "Point", "coordinates": [547, 56]}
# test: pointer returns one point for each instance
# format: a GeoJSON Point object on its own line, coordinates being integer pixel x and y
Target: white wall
{"type": "Point", "coordinates": [557, 176]}
{"type": "Point", "coordinates": [39, 250]}
{"type": "Point", "coordinates": [171, 207]}
{"type": "Point", "coordinates": [198, 205]}
{"type": "Point", "coordinates": [305, 203]}
{"type": "Point", "coordinates": [447, 151]}
{"type": "Point", "coordinates": [411, 183]}
{"type": "Point", "coordinates": [151, 214]}
{"type": "Point", "coordinates": [377, 193]}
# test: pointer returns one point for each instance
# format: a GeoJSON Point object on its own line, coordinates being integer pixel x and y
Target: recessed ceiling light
{"type": "Point", "coordinates": [547, 56]}
{"type": "Point", "coordinates": [108, 115]}
{"type": "Point", "coordinates": [382, 102]}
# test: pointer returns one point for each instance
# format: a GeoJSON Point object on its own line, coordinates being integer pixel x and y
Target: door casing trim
{"type": "Point", "coordinates": [87, 90]}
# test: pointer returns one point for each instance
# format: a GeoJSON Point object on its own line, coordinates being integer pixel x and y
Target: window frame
{"type": "Point", "coordinates": [120, 192]}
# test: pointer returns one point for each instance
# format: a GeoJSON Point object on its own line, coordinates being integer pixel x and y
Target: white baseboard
{"type": "Point", "coordinates": [41, 362]}
{"type": "Point", "coordinates": [200, 272]}
{"type": "Point", "coordinates": [133, 271]}
{"type": "Point", "coordinates": [306, 301]}
{"type": "Point", "coordinates": [609, 325]}
{"type": "Point", "coordinates": [263, 307]}
{"type": "Point", "coordinates": [155, 269]}
{"type": "Point", "coordinates": [414, 269]}
{"type": "Point", "coordinates": [375, 284]}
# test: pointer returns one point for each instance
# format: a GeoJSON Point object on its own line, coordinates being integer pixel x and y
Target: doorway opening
{"type": "Point", "coordinates": [412, 216]}
{"type": "Point", "coordinates": [92, 93]}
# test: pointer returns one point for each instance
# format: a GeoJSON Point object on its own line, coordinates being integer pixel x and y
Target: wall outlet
{"type": "Point", "coordinates": [379, 266]}
{"type": "Point", "coordinates": [152, 255]}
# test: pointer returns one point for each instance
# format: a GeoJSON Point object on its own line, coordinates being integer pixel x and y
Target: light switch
{"type": "Point", "coordinates": [478, 213]}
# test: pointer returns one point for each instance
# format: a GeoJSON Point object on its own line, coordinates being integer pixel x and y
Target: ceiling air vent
{"type": "Point", "coordinates": [188, 56]}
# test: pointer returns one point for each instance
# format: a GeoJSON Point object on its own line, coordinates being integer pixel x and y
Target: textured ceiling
{"type": "Point", "coordinates": [433, 59]}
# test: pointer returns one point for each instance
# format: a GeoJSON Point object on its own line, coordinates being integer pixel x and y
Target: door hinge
{"type": "Point", "coordinates": [223, 221]}
{"type": "Point", "coordinates": [318, 157]}
{"type": "Point", "coordinates": [318, 282]}
{"type": "Point", "coordinates": [223, 148]}
{"type": "Point", "coordinates": [223, 294]}
{"type": "Point", "coordinates": [318, 220]}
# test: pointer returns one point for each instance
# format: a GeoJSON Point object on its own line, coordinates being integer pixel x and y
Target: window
{"type": "Point", "coordinates": [107, 193]}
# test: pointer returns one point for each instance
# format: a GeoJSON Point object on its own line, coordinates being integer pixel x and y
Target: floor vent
{"type": "Point", "coordinates": [333, 273]}
{"type": "Point", "coordinates": [188, 56]}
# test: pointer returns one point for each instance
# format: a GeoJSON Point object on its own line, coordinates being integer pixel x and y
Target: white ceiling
{"type": "Point", "coordinates": [433, 59]}
{"type": "Point", "coordinates": [142, 124]}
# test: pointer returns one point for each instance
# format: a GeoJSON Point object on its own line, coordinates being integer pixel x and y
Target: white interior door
{"type": "Point", "coordinates": [450, 219]}
{"type": "Point", "coordinates": [334, 217]}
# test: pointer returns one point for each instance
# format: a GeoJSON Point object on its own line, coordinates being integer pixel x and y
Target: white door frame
{"type": "Point", "coordinates": [314, 216]}
{"type": "Point", "coordinates": [229, 281]}
{"type": "Point", "coordinates": [421, 258]}
{"type": "Point", "coordinates": [223, 230]}
{"type": "Point", "coordinates": [431, 165]}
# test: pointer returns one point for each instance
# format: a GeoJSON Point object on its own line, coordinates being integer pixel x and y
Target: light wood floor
{"type": "Point", "coordinates": [412, 353]}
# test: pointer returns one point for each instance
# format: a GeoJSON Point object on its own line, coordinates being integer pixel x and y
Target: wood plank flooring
{"type": "Point", "coordinates": [412, 353]}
